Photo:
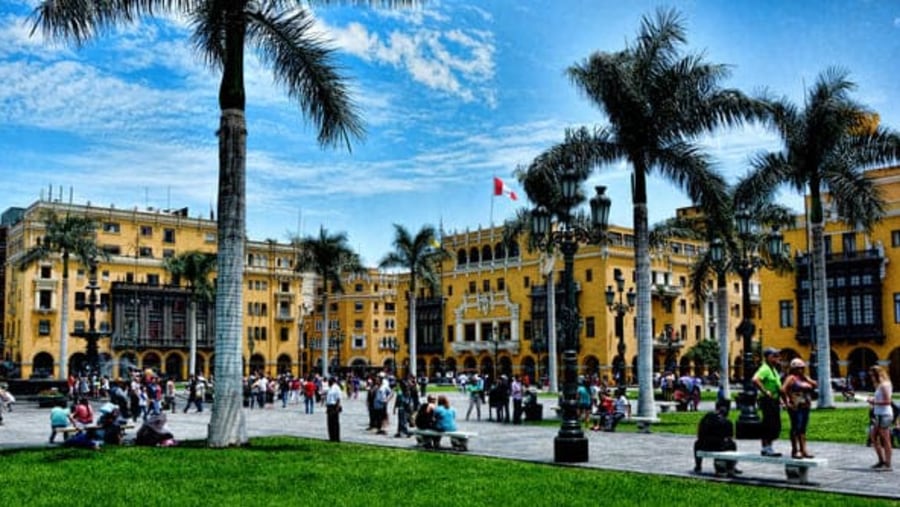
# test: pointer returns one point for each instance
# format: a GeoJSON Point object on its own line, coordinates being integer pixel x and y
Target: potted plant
{"type": "Point", "coordinates": [51, 398]}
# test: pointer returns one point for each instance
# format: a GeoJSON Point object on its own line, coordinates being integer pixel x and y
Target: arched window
{"type": "Point", "coordinates": [486, 253]}
{"type": "Point", "coordinates": [499, 251]}
{"type": "Point", "coordinates": [473, 255]}
{"type": "Point", "coordinates": [513, 251]}
{"type": "Point", "coordinates": [461, 258]}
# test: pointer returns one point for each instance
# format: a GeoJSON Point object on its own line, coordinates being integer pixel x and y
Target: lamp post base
{"type": "Point", "coordinates": [748, 425]}
{"type": "Point", "coordinates": [570, 449]}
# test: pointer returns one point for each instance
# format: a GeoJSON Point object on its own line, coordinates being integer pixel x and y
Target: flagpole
{"type": "Point", "coordinates": [492, 200]}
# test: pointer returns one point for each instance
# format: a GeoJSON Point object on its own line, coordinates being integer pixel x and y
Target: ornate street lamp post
{"type": "Point", "coordinates": [570, 444]}
{"type": "Point", "coordinates": [393, 346]}
{"type": "Point", "coordinates": [620, 308]}
{"type": "Point", "coordinates": [748, 423]}
{"type": "Point", "coordinates": [495, 340]}
{"type": "Point", "coordinates": [91, 335]}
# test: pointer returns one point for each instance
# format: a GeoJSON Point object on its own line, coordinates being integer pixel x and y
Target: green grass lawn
{"type": "Point", "coordinates": [289, 471]}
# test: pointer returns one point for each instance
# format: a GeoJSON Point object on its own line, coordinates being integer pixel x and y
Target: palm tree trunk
{"type": "Point", "coordinates": [723, 330]}
{"type": "Point", "coordinates": [646, 407]}
{"type": "Point", "coordinates": [413, 370]}
{"type": "Point", "coordinates": [192, 337]}
{"type": "Point", "coordinates": [325, 330]}
{"type": "Point", "coordinates": [552, 353]}
{"type": "Point", "coordinates": [64, 321]}
{"type": "Point", "coordinates": [820, 309]}
{"type": "Point", "coordinates": [227, 426]}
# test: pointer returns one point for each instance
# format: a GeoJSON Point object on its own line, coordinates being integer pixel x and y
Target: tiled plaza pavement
{"type": "Point", "coordinates": [847, 471]}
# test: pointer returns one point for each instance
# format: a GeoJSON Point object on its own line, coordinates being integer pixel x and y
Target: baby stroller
{"type": "Point", "coordinates": [155, 432]}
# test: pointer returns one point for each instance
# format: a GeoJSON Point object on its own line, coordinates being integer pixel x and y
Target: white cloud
{"type": "Point", "coordinates": [452, 61]}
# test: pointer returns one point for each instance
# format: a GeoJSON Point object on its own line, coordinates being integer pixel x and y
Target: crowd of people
{"type": "Point", "coordinates": [794, 391]}
{"type": "Point", "coordinates": [600, 407]}
{"type": "Point", "coordinates": [143, 395]}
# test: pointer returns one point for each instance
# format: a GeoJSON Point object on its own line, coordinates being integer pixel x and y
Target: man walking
{"type": "Point", "coordinates": [768, 381]}
{"type": "Point", "coordinates": [333, 410]}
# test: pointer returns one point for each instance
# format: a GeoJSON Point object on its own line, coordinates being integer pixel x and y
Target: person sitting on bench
{"type": "Point", "coordinates": [716, 433]}
{"type": "Point", "coordinates": [444, 415]}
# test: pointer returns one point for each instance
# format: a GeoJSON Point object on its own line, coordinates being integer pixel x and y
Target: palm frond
{"type": "Point", "coordinates": [304, 63]}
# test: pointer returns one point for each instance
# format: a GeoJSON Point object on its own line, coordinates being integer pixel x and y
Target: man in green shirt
{"type": "Point", "coordinates": [768, 381]}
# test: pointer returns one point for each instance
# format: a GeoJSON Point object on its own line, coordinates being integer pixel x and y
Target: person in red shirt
{"type": "Point", "coordinates": [82, 414]}
{"type": "Point", "coordinates": [309, 394]}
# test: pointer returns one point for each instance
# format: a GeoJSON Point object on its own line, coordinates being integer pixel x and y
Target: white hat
{"type": "Point", "coordinates": [797, 363]}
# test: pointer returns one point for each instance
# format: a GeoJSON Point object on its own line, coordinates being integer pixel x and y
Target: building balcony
{"type": "Point", "coordinates": [283, 317]}
{"type": "Point", "coordinates": [45, 283]}
{"type": "Point", "coordinates": [508, 346]}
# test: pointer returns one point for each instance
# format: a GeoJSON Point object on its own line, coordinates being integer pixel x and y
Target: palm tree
{"type": "Point", "coordinates": [657, 102]}
{"type": "Point", "coordinates": [826, 148]}
{"type": "Point", "coordinates": [719, 225]}
{"type": "Point", "coordinates": [67, 236]}
{"type": "Point", "coordinates": [330, 257]}
{"type": "Point", "coordinates": [283, 34]}
{"type": "Point", "coordinates": [194, 267]}
{"type": "Point", "coordinates": [418, 255]}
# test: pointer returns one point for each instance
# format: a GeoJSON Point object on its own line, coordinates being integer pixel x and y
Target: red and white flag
{"type": "Point", "coordinates": [501, 189]}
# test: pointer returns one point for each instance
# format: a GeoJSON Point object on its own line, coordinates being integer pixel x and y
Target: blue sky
{"type": "Point", "coordinates": [452, 94]}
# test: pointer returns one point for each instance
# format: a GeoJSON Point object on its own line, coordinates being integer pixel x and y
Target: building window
{"type": "Point", "coordinates": [472, 287]}
{"type": "Point", "coordinates": [358, 287]}
{"type": "Point", "coordinates": [786, 313]}
{"type": "Point", "coordinates": [449, 290]}
{"type": "Point", "coordinates": [486, 285]}
{"type": "Point", "coordinates": [146, 231]}
{"type": "Point", "coordinates": [682, 306]}
{"type": "Point", "coordinates": [45, 299]}
{"type": "Point", "coordinates": [112, 249]}
{"type": "Point", "coordinates": [390, 307]}
{"type": "Point", "coordinates": [358, 306]}
{"type": "Point", "coordinates": [527, 282]}
{"type": "Point", "coordinates": [897, 308]}
{"type": "Point", "coordinates": [501, 284]}
{"type": "Point", "coordinates": [210, 237]}
{"type": "Point", "coordinates": [589, 275]}
{"type": "Point", "coordinates": [145, 251]}
{"type": "Point", "coordinates": [168, 253]}
{"type": "Point", "coordinates": [284, 334]}
{"type": "Point", "coordinates": [44, 327]}
{"type": "Point", "coordinates": [152, 279]}
{"type": "Point", "coordinates": [358, 324]}
{"type": "Point", "coordinates": [589, 330]}
{"type": "Point", "coordinates": [168, 235]}
{"type": "Point", "coordinates": [111, 227]}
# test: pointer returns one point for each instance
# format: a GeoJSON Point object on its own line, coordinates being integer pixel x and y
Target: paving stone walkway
{"type": "Point", "coordinates": [656, 453]}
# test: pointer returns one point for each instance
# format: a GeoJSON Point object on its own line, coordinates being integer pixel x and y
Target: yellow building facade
{"type": "Point", "coordinates": [863, 284]}
{"type": "Point", "coordinates": [488, 315]}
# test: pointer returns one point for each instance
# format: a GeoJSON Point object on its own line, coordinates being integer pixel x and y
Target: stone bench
{"type": "Point", "coordinates": [643, 423]}
{"type": "Point", "coordinates": [431, 439]}
{"type": "Point", "coordinates": [666, 406]}
{"type": "Point", "coordinates": [71, 430]}
{"type": "Point", "coordinates": [795, 469]}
